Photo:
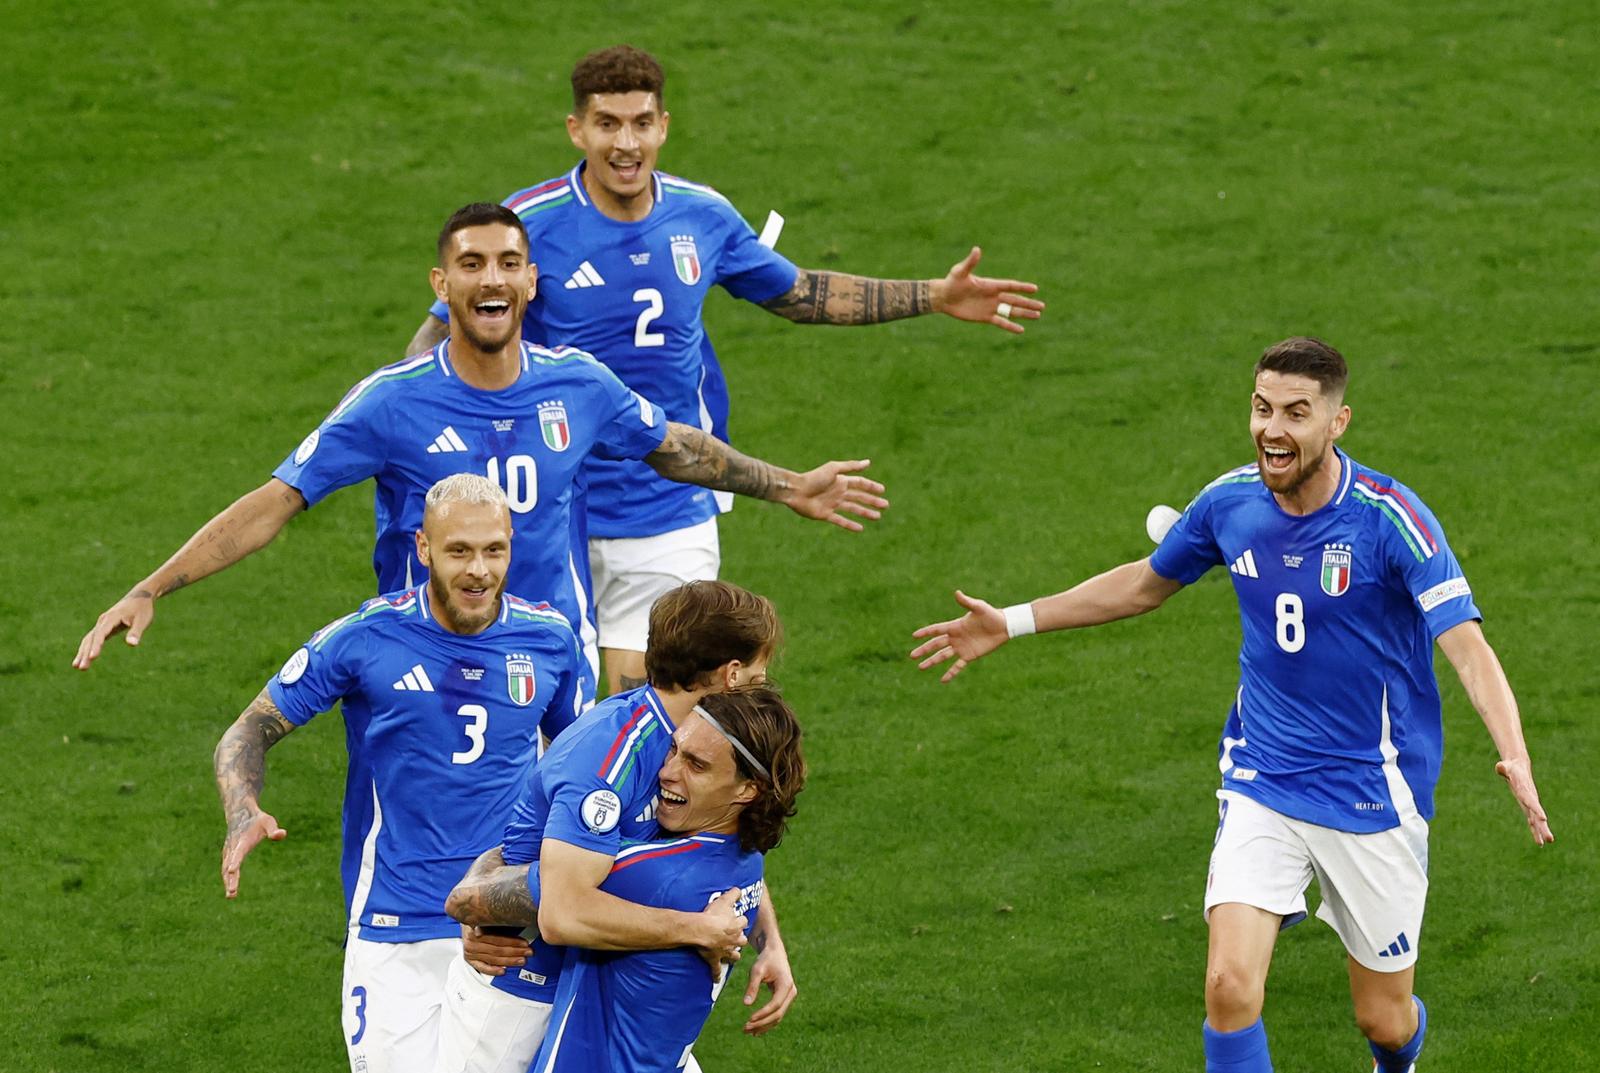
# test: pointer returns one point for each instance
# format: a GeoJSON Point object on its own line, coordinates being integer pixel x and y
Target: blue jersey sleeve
{"type": "Point", "coordinates": [1417, 548]}
{"type": "Point", "coordinates": [562, 711]}
{"type": "Point", "coordinates": [348, 447]}
{"type": "Point", "coordinates": [1190, 547]}
{"type": "Point", "coordinates": [584, 810]}
{"type": "Point", "coordinates": [749, 270]}
{"type": "Point", "coordinates": [632, 426]}
{"type": "Point", "coordinates": [320, 672]}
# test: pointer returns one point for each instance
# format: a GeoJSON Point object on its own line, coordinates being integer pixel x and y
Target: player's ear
{"type": "Point", "coordinates": [1341, 421]}
{"type": "Point", "coordinates": [575, 133]}
{"type": "Point", "coordinates": [436, 280]}
{"type": "Point", "coordinates": [666, 120]}
{"type": "Point", "coordinates": [748, 791]}
{"type": "Point", "coordinates": [533, 279]}
{"type": "Point", "coordinates": [422, 549]}
{"type": "Point", "coordinates": [729, 672]}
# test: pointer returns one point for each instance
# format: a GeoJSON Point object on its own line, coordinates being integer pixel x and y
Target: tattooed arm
{"type": "Point", "coordinates": [431, 334]}
{"type": "Point", "coordinates": [493, 892]}
{"type": "Point", "coordinates": [245, 526]}
{"type": "Point", "coordinates": [241, 764]}
{"type": "Point", "coordinates": [819, 297]}
{"type": "Point", "coordinates": [695, 457]}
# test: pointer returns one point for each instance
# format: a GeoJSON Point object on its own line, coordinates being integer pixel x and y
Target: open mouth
{"type": "Point", "coordinates": [670, 798]}
{"type": "Point", "coordinates": [1278, 459]}
{"type": "Point", "coordinates": [492, 308]}
{"type": "Point", "coordinates": [627, 170]}
{"type": "Point", "coordinates": [473, 594]}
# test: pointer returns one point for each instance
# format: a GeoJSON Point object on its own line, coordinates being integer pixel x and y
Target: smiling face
{"type": "Point", "coordinates": [1294, 426]}
{"type": "Point", "coordinates": [620, 135]}
{"type": "Point", "coordinates": [486, 279]}
{"type": "Point", "coordinates": [467, 550]}
{"type": "Point", "coordinates": [700, 785]}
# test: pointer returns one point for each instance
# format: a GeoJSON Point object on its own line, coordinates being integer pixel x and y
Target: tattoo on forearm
{"type": "Point", "coordinates": [695, 457]}
{"type": "Point", "coordinates": [174, 585]}
{"type": "Point", "coordinates": [241, 756]}
{"type": "Point", "coordinates": [507, 900]}
{"type": "Point", "coordinates": [838, 298]}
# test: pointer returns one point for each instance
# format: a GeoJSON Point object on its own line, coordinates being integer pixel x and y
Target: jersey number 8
{"type": "Point", "coordinates": [1291, 622]}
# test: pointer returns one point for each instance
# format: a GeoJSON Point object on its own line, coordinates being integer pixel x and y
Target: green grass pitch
{"type": "Point", "coordinates": [215, 217]}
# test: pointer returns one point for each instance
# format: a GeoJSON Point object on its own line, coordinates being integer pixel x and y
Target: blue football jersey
{"type": "Point", "coordinates": [630, 293]}
{"type": "Point", "coordinates": [593, 788]}
{"type": "Point", "coordinates": [1336, 720]}
{"type": "Point", "coordinates": [441, 729]}
{"type": "Point", "coordinates": [641, 1012]}
{"type": "Point", "coordinates": [414, 422]}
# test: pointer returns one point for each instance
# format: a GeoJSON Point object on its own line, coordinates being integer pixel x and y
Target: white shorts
{"type": "Point", "coordinates": [392, 996]}
{"type": "Point", "coordinates": [1373, 885]}
{"type": "Point", "coordinates": [630, 573]}
{"type": "Point", "coordinates": [484, 1029]}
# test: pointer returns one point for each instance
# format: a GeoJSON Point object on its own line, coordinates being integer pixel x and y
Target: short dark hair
{"type": "Point", "coordinates": [618, 69]}
{"type": "Point", "coordinates": [474, 215]}
{"type": "Point", "coordinates": [696, 628]}
{"type": "Point", "coordinates": [1303, 355]}
{"type": "Point", "coordinates": [760, 718]}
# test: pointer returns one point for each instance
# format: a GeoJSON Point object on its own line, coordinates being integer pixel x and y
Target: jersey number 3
{"type": "Point", "coordinates": [480, 721]}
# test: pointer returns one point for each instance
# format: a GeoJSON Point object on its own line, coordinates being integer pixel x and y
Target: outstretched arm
{"type": "Point", "coordinates": [820, 297]}
{"type": "Point", "coordinates": [695, 457]}
{"type": "Point", "coordinates": [771, 968]}
{"type": "Point", "coordinates": [493, 892]}
{"type": "Point", "coordinates": [248, 525]}
{"type": "Point", "coordinates": [432, 332]}
{"type": "Point", "coordinates": [1128, 590]}
{"type": "Point", "coordinates": [1485, 682]}
{"type": "Point", "coordinates": [574, 911]}
{"type": "Point", "coordinates": [241, 765]}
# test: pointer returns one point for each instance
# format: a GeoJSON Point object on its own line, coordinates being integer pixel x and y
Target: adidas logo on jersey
{"type": "Point", "coordinates": [585, 276]}
{"type": "Point", "coordinates": [415, 679]}
{"type": "Point", "coordinates": [1245, 564]}
{"type": "Point", "coordinates": [446, 442]}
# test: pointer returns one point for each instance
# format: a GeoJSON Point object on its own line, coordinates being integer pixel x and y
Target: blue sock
{"type": "Point", "coordinates": [1400, 1061]}
{"type": "Point", "coordinates": [1244, 1051]}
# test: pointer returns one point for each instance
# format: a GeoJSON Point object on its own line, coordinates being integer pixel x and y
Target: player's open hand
{"type": "Point", "coordinates": [1001, 302]}
{"type": "Point", "coordinates": [132, 613]}
{"type": "Point", "coordinates": [1518, 774]}
{"type": "Point", "coordinates": [721, 930]}
{"type": "Point", "coordinates": [244, 833]}
{"type": "Point", "coordinates": [977, 633]}
{"type": "Point", "coordinates": [832, 490]}
{"type": "Point", "coordinates": [771, 969]}
{"type": "Point", "coordinates": [490, 954]}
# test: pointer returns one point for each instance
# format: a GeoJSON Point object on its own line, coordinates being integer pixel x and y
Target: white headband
{"type": "Point", "coordinates": [735, 742]}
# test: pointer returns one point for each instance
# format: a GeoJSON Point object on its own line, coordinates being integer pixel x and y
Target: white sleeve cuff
{"type": "Point", "coordinates": [1019, 620]}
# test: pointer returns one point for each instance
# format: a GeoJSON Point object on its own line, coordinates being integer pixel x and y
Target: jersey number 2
{"type": "Point", "coordinates": [480, 720]}
{"type": "Point", "coordinates": [642, 335]}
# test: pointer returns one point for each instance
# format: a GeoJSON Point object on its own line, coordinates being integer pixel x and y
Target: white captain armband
{"type": "Point", "coordinates": [1019, 620]}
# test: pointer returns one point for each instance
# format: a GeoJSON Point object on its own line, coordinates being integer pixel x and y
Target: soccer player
{"type": "Point", "coordinates": [523, 415]}
{"type": "Point", "coordinates": [593, 789]}
{"type": "Point", "coordinates": [728, 785]}
{"type": "Point", "coordinates": [1332, 747]}
{"type": "Point", "coordinates": [626, 257]}
{"type": "Point", "coordinates": [445, 689]}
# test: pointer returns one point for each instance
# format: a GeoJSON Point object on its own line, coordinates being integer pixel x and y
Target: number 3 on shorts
{"type": "Point", "coordinates": [359, 993]}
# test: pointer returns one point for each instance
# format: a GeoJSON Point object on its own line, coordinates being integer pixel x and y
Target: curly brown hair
{"type": "Point", "coordinates": [1304, 355]}
{"type": "Point", "coordinates": [618, 69]}
{"type": "Point", "coordinates": [760, 718]}
{"type": "Point", "coordinates": [696, 628]}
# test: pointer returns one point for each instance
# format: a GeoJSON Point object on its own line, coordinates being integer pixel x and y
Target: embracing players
{"type": "Point", "coordinates": [483, 400]}
{"type": "Point", "coordinates": [626, 257]}
{"type": "Point", "coordinates": [1332, 748]}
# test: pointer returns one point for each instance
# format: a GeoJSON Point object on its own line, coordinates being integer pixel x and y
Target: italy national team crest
{"type": "Point", "coordinates": [686, 259]}
{"type": "Point", "coordinates": [519, 678]}
{"type": "Point", "coordinates": [553, 423]}
{"type": "Point", "coordinates": [1336, 563]}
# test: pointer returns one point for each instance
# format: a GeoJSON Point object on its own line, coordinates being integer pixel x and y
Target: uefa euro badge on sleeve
{"type": "Point", "coordinates": [294, 667]}
{"type": "Point", "coordinates": [1336, 563]}
{"type": "Point", "coordinates": [553, 423]}
{"type": "Point", "coordinates": [686, 259]}
{"type": "Point", "coordinates": [519, 678]}
{"type": "Point", "coordinates": [308, 446]}
{"type": "Point", "coordinates": [601, 809]}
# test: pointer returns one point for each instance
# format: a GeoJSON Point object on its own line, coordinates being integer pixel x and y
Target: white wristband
{"type": "Point", "coordinates": [1019, 620]}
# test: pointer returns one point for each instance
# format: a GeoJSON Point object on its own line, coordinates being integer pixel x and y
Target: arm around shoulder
{"type": "Point", "coordinates": [430, 334]}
